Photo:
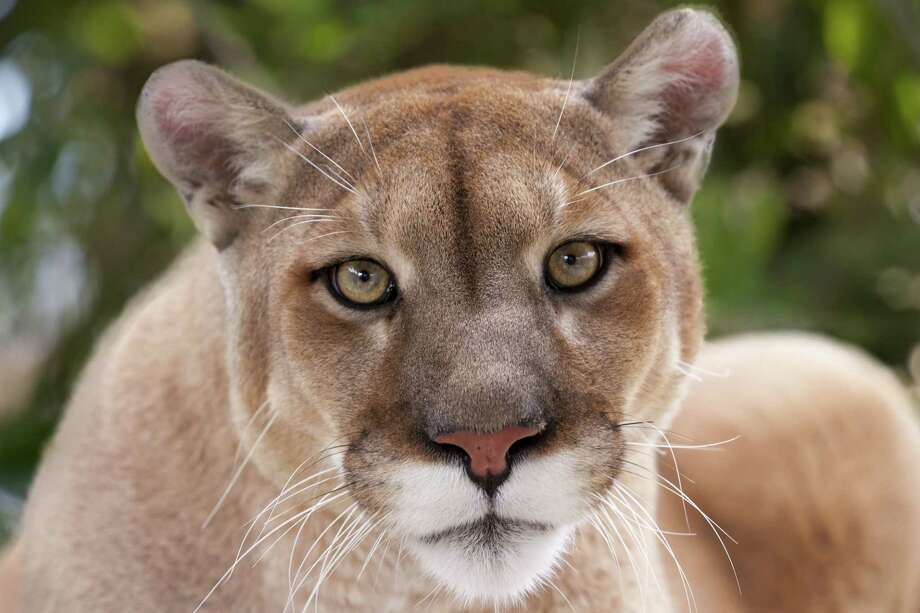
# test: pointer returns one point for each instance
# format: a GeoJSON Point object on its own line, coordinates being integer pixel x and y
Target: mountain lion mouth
{"type": "Point", "coordinates": [490, 530]}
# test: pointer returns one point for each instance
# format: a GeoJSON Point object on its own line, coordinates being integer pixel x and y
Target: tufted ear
{"type": "Point", "coordinates": [676, 82]}
{"type": "Point", "coordinates": [216, 139]}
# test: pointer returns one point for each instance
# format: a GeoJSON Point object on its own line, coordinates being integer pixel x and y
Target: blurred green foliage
{"type": "Point", "coordinates": [809, 218]}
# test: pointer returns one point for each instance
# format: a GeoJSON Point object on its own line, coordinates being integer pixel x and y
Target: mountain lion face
{"type": "Point", "coordinates": [466, 287]}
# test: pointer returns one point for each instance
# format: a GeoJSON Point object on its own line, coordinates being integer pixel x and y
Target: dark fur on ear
{"type": "Point", "coordinates": [214, 138]}
{"type": "Point", "coordinates": [676, 82]}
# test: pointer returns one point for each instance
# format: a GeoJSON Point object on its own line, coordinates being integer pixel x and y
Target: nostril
{"type": "Point", "coordinates": [488, 452]}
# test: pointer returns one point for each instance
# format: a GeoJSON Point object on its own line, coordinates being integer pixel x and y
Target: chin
{"type": "Point", "coordinates": [492, 561]}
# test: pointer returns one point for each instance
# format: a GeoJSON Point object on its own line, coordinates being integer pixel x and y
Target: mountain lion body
{"type": "Point", "coordinates": [430, 354]}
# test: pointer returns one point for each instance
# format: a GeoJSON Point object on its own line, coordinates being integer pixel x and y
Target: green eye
{"type": "Point", "coordinates": [573, 264]}
{"type": "Point", "coordinates": [362, 283]}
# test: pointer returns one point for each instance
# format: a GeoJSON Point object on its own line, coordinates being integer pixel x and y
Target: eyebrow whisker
{"type": "Point", "coordinates": [316, 167]}
{"type": "Point", "coordinates": [300, 223]}
{"type": "Point", "coordinates": [348, 121]}
{"type": "Point", "coordinates": [317, 149]}
{"type": "Point", "coordinates": [568, 91]}
{"type": "Point", "coordinates": [275, 206]}
{"type": "Point", "coordinates": [624, 180]}
{"type": "Point", "coordinates": [311, 217]}
{"type": "Point", "coordinates": [640, 150]}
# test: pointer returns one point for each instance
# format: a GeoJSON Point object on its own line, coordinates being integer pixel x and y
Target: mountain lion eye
{"type": "Point", "coordinates": [573, 264]}
{"type": "Point", "coordinates": [362, 283]}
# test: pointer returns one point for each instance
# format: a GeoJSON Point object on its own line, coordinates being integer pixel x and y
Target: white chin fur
{"type": "Point", "coordinates": [534, 512]}
{"type": "Point", "coordinates": [502, 573]}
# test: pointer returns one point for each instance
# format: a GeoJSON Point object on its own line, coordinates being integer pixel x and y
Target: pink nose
{"type": "Point", "coordinates": [487, 452]}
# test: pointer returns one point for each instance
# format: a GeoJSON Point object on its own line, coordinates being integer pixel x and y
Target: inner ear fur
{"type": "Point", "coordinates": [216, 139]}
{"type": "Point", "coordinates": [676, 83]}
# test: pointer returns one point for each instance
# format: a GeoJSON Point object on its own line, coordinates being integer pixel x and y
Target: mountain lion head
{"type": "Point", "coordinates": [459, 284]}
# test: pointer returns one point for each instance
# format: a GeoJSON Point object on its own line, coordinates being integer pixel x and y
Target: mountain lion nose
{"type": "Point", "coordinates": [488, 453]}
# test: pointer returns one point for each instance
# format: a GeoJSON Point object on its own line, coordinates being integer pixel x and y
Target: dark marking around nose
{"type": "Point", "coordinates": [487, 452]}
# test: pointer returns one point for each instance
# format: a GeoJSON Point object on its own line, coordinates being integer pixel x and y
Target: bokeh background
{"type": "Point", "coordinates": [809, 218]}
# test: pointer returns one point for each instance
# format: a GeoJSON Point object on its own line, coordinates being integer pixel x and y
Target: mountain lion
{"type": "Point", "coordinates": [440, 333]}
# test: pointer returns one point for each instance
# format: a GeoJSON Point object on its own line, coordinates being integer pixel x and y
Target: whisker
{"type": "Point", "coordinates": [238, 471]}
{"type": "Point", "coordinates": [568, 91]}
{"type": "Point", "coordinates": [274, 206]}
{"type": "Point", "coordinates": [641, 544]}
{"type": "Point", "coordinates": [317, 149]}
{"type": "Point", "coordinates": [685, 582]}
{"type": "Point", "coordinates": [348, 121]}
{"type": "Point", "coordinates": [640, 150]}
{"type": "Point", "coordinates": [249, 422]}
{"type": "Point", "coordinates": [312, 217]}
{"type": "Point", "coordinates": [694, 368]}
{"type": "Point", "coordinates": [241, 556]}
{"type": "Point", "coordinates": [667, 485]}
{"type": "Point", "coordinates": [357, 537]}
{"type": "Point", "coordinates": [373, 550]}
{"type": "Point", "coordinates": [596, 522]}
{"type": "Point", "coordinates": [371, 143]}
{"type": "Point", "coordinates": [316, 167]}
{"type": "Point", "coordinates": [629, 557]}
{"type": "Point", "coordinates": [299, 223]}
{"type": "Point", "coordinates": [636, 178]}
{"type": "Point", "coordinates": [560, 592]}
{"type": "Point", "coordinates": [684, 446]}
{"type": "Point", "coordinates": [298, 582]}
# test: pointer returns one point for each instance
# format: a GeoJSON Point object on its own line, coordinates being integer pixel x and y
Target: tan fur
{"type": "Point", "coordinates": [820, 490]}
{"type": "Point", "coordinates": [460, 181]}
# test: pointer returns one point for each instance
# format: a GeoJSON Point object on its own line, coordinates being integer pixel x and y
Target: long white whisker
{"type": "Point", "coordinates": [357, 536]}
{"type": "Point", "coordinates": [685, 446]}
{"type": "Point", "coordinates": [316, 167]}
{"type": "Point", "coordinates": [276, 206]}
{"type": "Point", "coordinates": [288, 491]}
{"type": "Point", "coordinates": [348, 121]}
{"type": "Point", "coordinates": [312, 218]}
{"type": "Point", "coordinates": [560, 592]}
{"type": "Point", "coordinates": [640, 543]}
{"type": "Point", "coordinates": [318, 150]}
{"type": "Point", "coordinates": [302, 523]}
{"type": "Point", "coordinates": [716, 528]}
{"type": "Point", "coordinates": [371, 143]}
{"type": "Point", "coordinates": [687, 373]}
{"type": "Point", "coordinates": [374, 547]}
{"type": "Point", "coordinates": [596, 522]}
{"type": "Point", "coordinates": [340, 540]}
{"type": "Point", "coordinates": [629, 557]}
{"type": "Point", "coordinates": [712, 373]}
{"type": "Point", "coordinates": [568, 91]}
{"type": "Point", "coordinates": [688, 590]}
{"type": "Point", "coordinates": [640, 150]}
{"type": "Point", "coordinates": [680, 484]}
{"type": "Point", "coordinates": [636, 178]}
{"type": "Point", "coordinates": [238, 472]}
{"type": "Point", "coordinates": [252, 419]}
{"type": "Point", "coordinates": [294, 490]}
{"type": "Point", "coordinates": [297, 582]}
{"type": "Point", "coordinates": [241, 555]}
{"type": "Point", "coordinates": [299, 223]}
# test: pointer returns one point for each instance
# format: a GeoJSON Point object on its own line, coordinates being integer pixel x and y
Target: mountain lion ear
{"type": "Point", "coordinates": [216, 139]}
{"type": "Point", "coordinates": [676, 82]}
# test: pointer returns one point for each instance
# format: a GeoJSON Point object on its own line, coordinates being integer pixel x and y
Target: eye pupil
{"type": "Point", "coordinates": [569, 259]}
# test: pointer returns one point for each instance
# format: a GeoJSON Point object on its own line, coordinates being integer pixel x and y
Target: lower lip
{"type": "Point", "coordinates": [482, 528]}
